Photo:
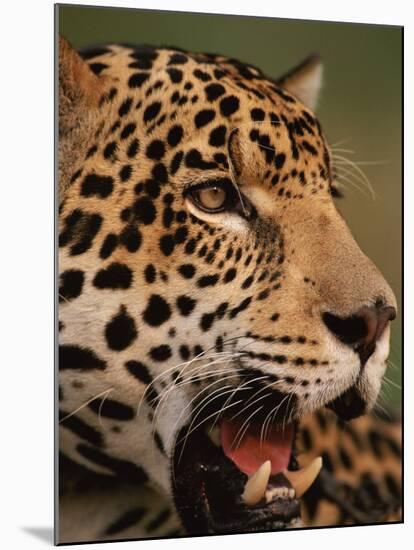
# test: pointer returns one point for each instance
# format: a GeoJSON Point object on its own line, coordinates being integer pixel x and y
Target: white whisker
{"type": "Point", "coordinates": [274, 410]}
{"type": "Point", "coordinates": [351, 164]}
{"type": "Point", "coordinates": [212, 374]}
{"type": "Point", "coordinates": [174, 387]}
{"type": "Point", "coordinates": [392, 383]}
{"type": "Point", "coordinates": [236, 441]}
{"type": "Point", "coordinates": [200, 357]}
{"type": "Point", "coordinates": [85, 404]}
{"type": "Point", "coordinates": [347, 174]}
{"type": "Point", "coordinates": [205, 420]}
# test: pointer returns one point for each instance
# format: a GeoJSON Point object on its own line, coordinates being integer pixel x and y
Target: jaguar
{"type": "Point", "coordinates": [222, 337]}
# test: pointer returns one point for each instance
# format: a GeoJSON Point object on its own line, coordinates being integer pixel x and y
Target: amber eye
{"type": "Point", "coordinates": [214, 196]}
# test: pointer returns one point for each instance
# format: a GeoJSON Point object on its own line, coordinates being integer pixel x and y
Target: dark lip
{"type": "Point", "coordinates": [348, 405]}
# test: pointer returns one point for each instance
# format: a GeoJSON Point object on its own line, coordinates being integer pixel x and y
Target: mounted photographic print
{"type": "Point", "coordinates": [229, 283]}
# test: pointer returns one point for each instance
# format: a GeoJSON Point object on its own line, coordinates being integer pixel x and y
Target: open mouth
{"type": "Point", "coordinates": [232, 476]}
{"type": "Point", "coordinates": [229, 479]}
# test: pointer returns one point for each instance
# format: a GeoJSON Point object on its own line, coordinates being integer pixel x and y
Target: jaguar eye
{"type": "Point", "coordinates": [212, 198]}
{"type": "Point", "coordinates": [216, 196]}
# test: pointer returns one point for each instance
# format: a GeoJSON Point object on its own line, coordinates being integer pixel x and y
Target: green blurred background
{"type": "Point", "coordinates": [360, 106]}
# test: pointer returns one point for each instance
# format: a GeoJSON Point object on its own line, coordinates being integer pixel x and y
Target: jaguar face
{"type": "Point", "coordinates": [210, 279]}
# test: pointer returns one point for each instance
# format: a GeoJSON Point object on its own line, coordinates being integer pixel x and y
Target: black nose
{"type": "Point", "coordinates": [362, 330]}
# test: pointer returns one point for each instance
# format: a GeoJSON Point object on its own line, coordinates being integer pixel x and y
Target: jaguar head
{"type": "Point", "coordinates": [222, 287]}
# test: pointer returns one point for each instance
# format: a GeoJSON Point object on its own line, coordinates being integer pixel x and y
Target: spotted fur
{"type": "Point", "coordinates": [161, 302]}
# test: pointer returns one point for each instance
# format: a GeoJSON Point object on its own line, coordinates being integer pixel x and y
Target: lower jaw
{"type": "Point", "coordinates": [208, 489]}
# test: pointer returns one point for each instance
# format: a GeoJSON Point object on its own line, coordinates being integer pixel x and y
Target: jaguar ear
{"type": "Point", "coordinates": [80, 92]}
{"type": "Point", "coordinates": [79, 88]}
{"type": "Point", "coordinates": [304, 81]}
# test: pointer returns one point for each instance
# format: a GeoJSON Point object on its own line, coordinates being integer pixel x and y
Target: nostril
{"type": "Point", "coordinates": [361, 330]}
{"type": "Point", "coordinates": [349, 330]}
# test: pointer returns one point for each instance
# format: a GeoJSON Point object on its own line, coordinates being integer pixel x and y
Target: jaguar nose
{"type": "Point", "coordinates": [361, 330]}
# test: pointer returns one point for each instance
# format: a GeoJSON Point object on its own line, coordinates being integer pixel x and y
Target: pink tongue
{"type": "Point", "coordinates": [249, 454]}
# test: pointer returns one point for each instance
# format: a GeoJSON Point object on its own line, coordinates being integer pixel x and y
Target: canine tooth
{"type": "Point", "coordinates": [213, 433]}
{"type": "Point", "coordinates": [302, 479]}
{"type": "Point", "coordinates": [256, 484]}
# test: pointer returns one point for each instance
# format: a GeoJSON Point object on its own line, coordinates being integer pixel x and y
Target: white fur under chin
{"type": "Point", "coordinates": [374, 370]}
